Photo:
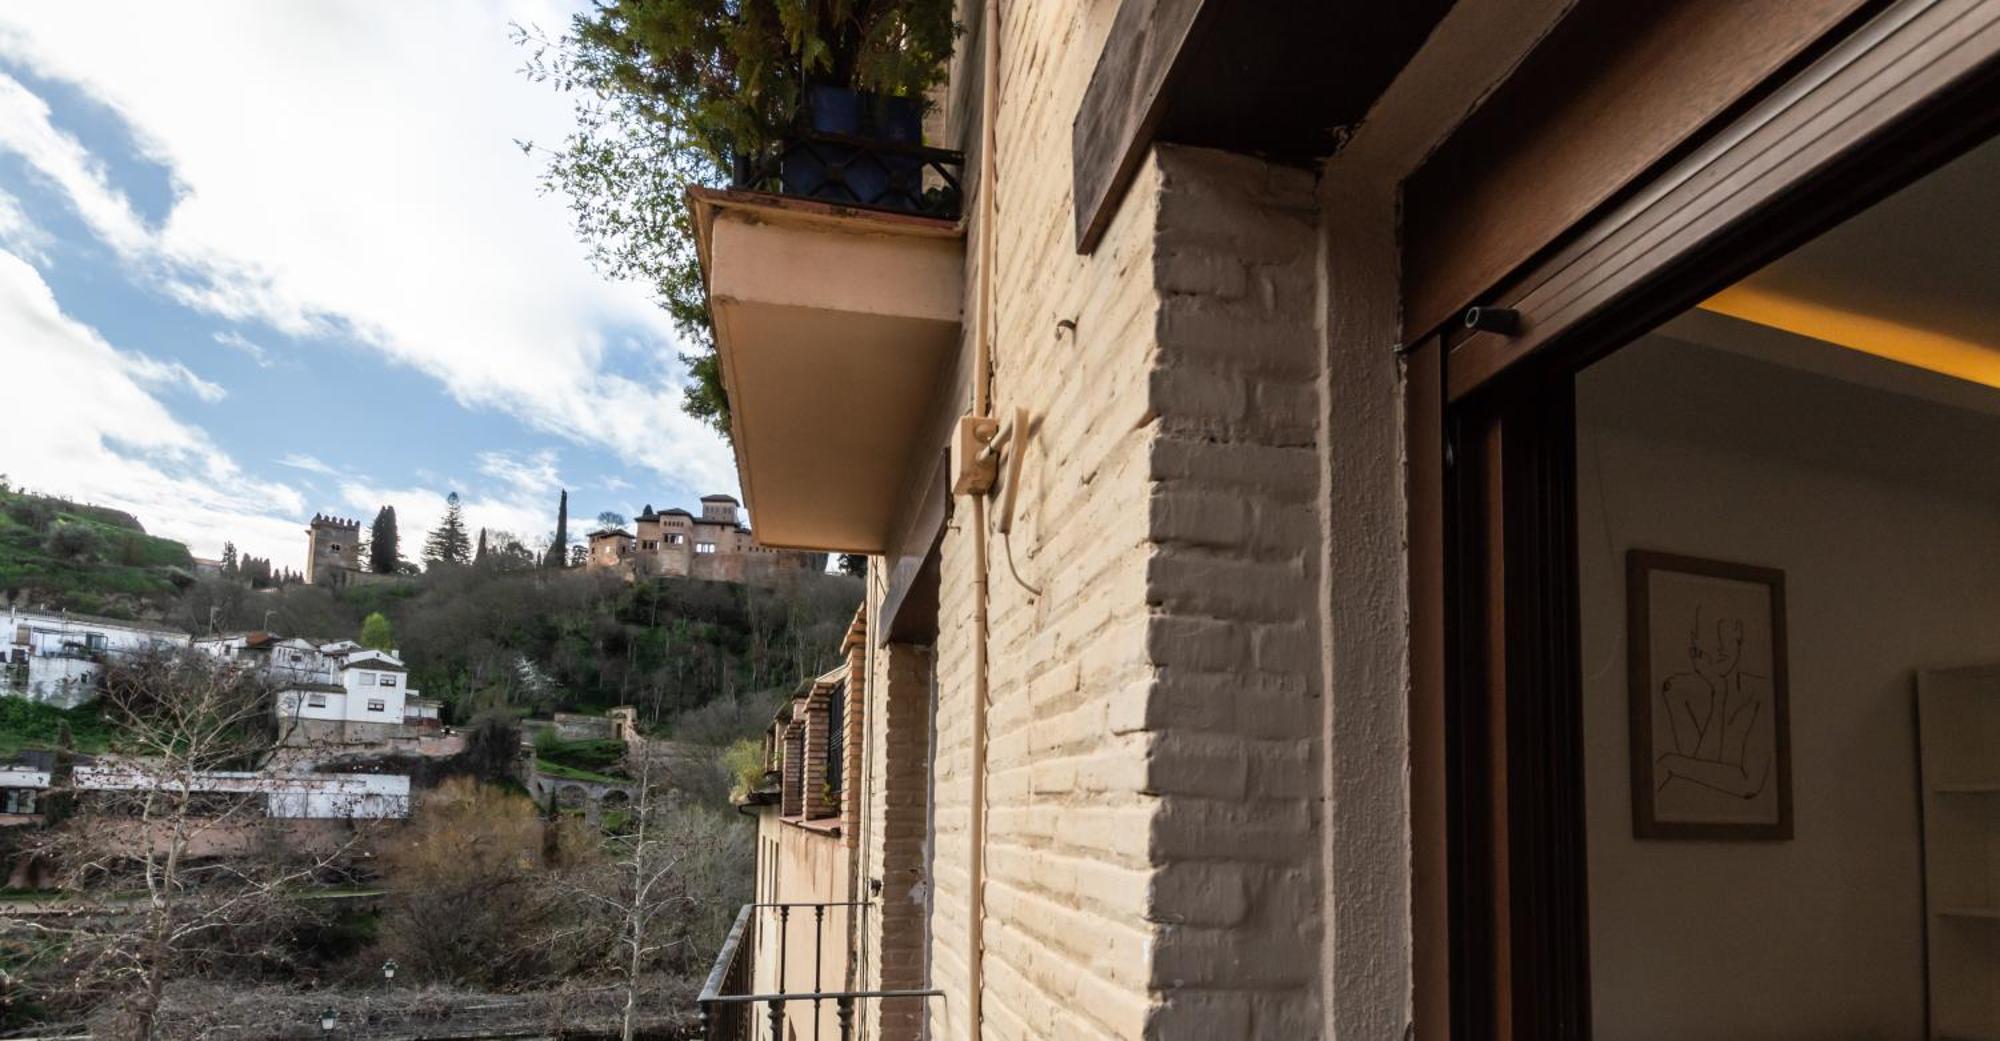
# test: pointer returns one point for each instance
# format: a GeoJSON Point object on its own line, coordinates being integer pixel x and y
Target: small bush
{"type": "Point", "coordinates": [71, 541]}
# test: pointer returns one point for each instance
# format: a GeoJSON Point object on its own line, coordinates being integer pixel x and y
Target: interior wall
{"type": "Point", "coordinates": [1821, 936]}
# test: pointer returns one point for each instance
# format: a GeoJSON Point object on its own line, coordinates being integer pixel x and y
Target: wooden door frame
{"type": "Point", "coordinates": [1498, 906]}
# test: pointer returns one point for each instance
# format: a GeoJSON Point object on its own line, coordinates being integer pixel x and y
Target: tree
{"type": "Point", "coordinates": [479, 555]}
{"type": "Point", "coordinates": [145, 817]}
{"type": "Point", "coordinates": [661, 885]}
{"type": "Point", "coordinates": [559, 549]}
{"type": "Point", "coordinates": [69, 540]}
{"type": "Point", "coordinates": [492, 744]}
{"type": "Point", "coordinates": [468, 892]}
{"type": "Point", "coordinates": [383, 551]}
{"type": "Point", "coordinates": [447, 543]}
{"type": "Point", "coordinates": [229, 558]}
{"type": "Point", "coordinates": [667, 93]}
{"type": "Point", "coordinates": [579, 555]}
{"type": "Point", "coordinates": [610, 519]}
{"type": "Point", "coordinates": [376, 632]}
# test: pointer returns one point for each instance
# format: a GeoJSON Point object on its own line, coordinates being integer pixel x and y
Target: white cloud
{"type": "Point", "coordinates": [418, 510]}
{"type": "Point", "coordinates": [339, 174]}
{"type": "Point", "coordinates": [167, 374]}
{"type": "Point", "coordinates": [243, 345]}
{"type": "Point", "coordinates": [99, 435]}
{"type": "Point", "coordinates": [310, 464]}
{"type": "Point", "coordinates": [20, 235]}
{"type": "Point", "coordinates": [533, 474]}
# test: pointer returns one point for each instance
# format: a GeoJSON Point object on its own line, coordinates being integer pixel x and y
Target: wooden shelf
{"type": "Point", "coordinates": [1958, 745]}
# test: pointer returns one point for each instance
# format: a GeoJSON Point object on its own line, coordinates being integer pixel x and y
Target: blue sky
{"type": "Point", "coordinates": [263, 260]}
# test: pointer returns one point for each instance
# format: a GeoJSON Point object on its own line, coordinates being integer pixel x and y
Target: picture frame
{"type": "Point", "coordinates": [1710, 703]}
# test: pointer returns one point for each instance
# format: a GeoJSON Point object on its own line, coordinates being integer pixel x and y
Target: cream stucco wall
{"type": "Point", "coordinates": [806, 866]}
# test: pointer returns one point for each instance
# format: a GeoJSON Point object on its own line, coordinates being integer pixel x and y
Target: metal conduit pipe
{"type": "Point", "coordinates": [982, 405]}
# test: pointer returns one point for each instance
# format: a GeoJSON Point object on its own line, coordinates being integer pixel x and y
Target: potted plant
{"type": "Point", "coordinates": [760, 93]}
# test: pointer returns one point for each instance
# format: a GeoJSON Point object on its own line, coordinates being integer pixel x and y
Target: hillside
{"type": "Point", "coordinates": [86, 558]}
{"type": "Point", "coordinates": [708, 654]}
{"type": "Point", "coordinates": [573, 640]}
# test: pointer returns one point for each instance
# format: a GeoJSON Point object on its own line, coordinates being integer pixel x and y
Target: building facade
{"type": "Point", "coordinates": [333, 550]}
{"type": "Point", "coordinates": [326, 694]}
{"type": "Point", "coordinates": [57, 657]}
{"type": "Point", "coordinates": [286, 796]}
{"type": "Point", "coordinates": [1260, 507]}
{"type": "Point", "coordinates": [716, 545]}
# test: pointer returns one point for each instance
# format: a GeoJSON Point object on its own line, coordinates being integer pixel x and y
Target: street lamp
{"type": "Point", "coordinates": [327, 1018]}
{"type": "Point", "coordinates": [389, 969]}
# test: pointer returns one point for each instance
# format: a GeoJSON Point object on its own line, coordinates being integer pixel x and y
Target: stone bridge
{"type": "Point", "coordinates": [569, 793]}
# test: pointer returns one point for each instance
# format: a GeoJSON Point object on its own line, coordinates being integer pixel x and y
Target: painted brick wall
{"type": "Point", "coordinates": [898, 848]}
{"type": "Point", "coordinates": [1152, 777]}
{"type": "Point", "coordinates": [1234, 581]}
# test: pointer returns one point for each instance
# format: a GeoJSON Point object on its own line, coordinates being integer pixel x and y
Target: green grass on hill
{"type": "Point", "coordinates": [31, 724]}
{"type": "Point", "coordinates": [120, 561]}
{"type": "Point", "coordinates": [571, 773]}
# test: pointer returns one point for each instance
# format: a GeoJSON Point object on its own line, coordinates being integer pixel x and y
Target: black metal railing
{"type": "Point", "coordinates": [730, 1003]}
{"type": "Point", "coordinates": [866, 172]}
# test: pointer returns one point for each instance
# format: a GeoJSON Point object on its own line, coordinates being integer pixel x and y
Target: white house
{"type": "Point", "coordinates": [287, 796]}
{"type": "Point", "coordinates": [56, 657]}
{"type": "Point", "coordinates": [364, 699]}
{"type": "Point", "coordinates": [286, 659]}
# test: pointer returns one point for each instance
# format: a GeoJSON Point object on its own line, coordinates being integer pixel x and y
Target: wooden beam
{"type": "Point", "coordinates": [1125, 102]}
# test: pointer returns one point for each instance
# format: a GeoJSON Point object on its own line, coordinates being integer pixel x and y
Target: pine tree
{"type": "Point", "coordinates": [559, 549]}
{"type": "Point", "coordinates": [447, 543]}
{"type": "Point", "coordinates": [383, 548]}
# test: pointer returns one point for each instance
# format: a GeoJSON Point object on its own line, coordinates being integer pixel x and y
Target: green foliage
{"type": "Point", "coordinates": [588, 640]}
{"type": "Point", "coordinates": [551, 768]}
{"type": "Point", "coordinates": [377, 633]}
{"type": "Point", "coordinates": [448, 543]}
{"type": "Point", "coordinates": [745, 761]}
{"type": "Point", "coordinates": [669, 92]}
{"type": "Point", "coordinates": [25, 723]}
{"type": "Point", "coordinates": [558, 555]}
{"type": "Point", "coordinates": [85, 558]}
{"type": "Point", "coordinates": [384, 549]}
{"type": "Point", "coordinates": [596, 756]}
{"type": "Point", "coordinates": [491, 744]}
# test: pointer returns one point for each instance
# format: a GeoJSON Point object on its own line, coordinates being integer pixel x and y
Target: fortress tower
{"type": "Point", "coordinates": [333, 549]}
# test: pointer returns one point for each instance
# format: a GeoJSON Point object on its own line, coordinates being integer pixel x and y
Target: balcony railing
{"type": "Point", "coordinates": [730, 1004]}
{"type": "Point", "coordinates": [868, 172]}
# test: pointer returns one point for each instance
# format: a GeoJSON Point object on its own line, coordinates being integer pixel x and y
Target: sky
{"type": "Point", "coordinates": [264, 260]}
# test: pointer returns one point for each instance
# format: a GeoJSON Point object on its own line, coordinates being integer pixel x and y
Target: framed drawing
{"type": "Point", "coordinates": [1711, 713]}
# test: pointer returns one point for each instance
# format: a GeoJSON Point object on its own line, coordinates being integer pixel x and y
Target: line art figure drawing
{"type": "Point", "coordinates": [1710, 710]}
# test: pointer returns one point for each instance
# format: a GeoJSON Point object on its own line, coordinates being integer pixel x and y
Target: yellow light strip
{"type": "Point", "coordinates": [1937, 352]}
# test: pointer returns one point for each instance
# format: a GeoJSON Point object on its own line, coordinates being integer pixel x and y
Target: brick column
{"type": "Point", "coordinates": [791, 799]}
{"type": "Point", "coordinates": [814, 777]}
{"type": "Point", "coordinates": [901, 858]}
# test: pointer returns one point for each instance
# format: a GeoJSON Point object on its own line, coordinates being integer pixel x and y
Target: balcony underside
{"type": "Point", "coordinates": [834, 326]}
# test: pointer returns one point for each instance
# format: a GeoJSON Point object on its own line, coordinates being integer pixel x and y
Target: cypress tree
{"type": "Point", "coordinates": [479, 555]}
{"type": "Point", "coordinates": [383, 552]}
{"type": "Point", "coordinates": [558, 555]}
